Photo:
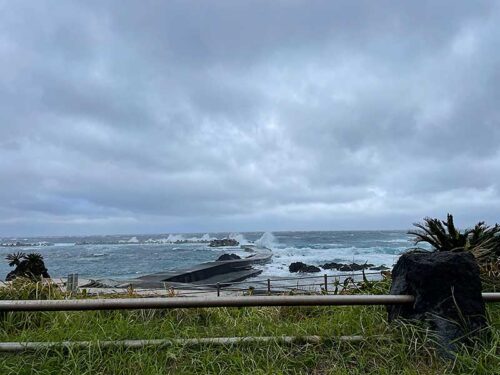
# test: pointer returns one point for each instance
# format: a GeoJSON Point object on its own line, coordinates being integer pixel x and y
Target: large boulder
{"type": "Point", "coordinates": [302, 267]}
{"type": "Point", "coordinates": [447, 290]}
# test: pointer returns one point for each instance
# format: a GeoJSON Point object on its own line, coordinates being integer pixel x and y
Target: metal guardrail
{"type": "Point", "coordinates": [16, 347]}
{"type": "Point", "coordinates": [196, 302]}
{"type": "Point", "coordinates": [200, 302]}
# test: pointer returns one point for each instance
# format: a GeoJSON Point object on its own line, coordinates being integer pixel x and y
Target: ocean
{"type": "Point", "coordinates": [127, 256]}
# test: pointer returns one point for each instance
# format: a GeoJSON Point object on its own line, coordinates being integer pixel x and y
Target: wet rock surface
{"type": "Point", "coordinates": [228, 257]}
{"type": "Point", "coordinates": [346, 267]}
{"type": "Point", "coordinates": [302, 268]}
{"type": "Point", "coordinates": [224, 242]}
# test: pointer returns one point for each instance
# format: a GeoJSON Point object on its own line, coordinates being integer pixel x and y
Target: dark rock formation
{"type": "Point", "coordinates": [447, 290]}
{"type": "Point", "coordinates": [228, 257]}
{"type": "Point", "coordinates": [345, 267]}
{"type": "Point", "coordinates": [302, 267]}
{"type": "Point", "coordinates": [224, 242]}
{"type": "Point", "coordinates": [331, 266]}
{"type": "Point", "coordinates": [379, 268]}
{"type": "Point", "coordinates": [354, 267]}
{"type": "Point", "coordinates": [30, 266]}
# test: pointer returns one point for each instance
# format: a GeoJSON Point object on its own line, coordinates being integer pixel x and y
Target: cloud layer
{"type": "Point", "coordinates": [233, 115]}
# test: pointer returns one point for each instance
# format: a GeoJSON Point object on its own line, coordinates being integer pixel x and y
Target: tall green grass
{"type": "Point", "coordinates": [408, 350]}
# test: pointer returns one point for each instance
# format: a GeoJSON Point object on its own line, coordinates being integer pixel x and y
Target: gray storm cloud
{"type": "Point", "coordinates": [234, 115]}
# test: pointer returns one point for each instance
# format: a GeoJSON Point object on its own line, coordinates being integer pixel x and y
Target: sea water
{"type": "Point", "coordinates": [122, 257]}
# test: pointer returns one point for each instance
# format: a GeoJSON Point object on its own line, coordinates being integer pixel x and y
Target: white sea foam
{"type": "Point", "coordinates": [283, 257]}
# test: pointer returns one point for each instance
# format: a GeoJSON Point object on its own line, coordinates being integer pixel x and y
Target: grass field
{"type": "Point", "coordinates": [404, 349]}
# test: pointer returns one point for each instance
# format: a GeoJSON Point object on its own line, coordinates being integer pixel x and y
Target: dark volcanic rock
{"type": "Point", "coordinates": [302, 267]}
{"type": "Point", "coordinates": [224, 242]}
{"type": "Point", "coordinates": [354, 267]}
{"type": "Point", "coordinates": [228, 257]}
{"type": "Point", "coordinates": [447, 290]}
{"type": "Point", "coordinates": [331, 266]}
{"type": "Point", "coordinates": [379, 268]}
{"type": "Point", "coordinates": [345, 267]}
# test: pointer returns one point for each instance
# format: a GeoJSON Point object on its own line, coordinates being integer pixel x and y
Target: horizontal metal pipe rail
{"type": "Point", "coordinates": [201, 302]}
{"type": "Point", "coordinates": [196, 302]}
{"type": "Point", "coordinates": [15, 347]}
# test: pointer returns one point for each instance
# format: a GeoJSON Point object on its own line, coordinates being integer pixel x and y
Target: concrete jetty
{"type": "Point", "coordinates": [207, 274]}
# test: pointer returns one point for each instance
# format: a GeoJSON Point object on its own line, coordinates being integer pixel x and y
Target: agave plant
{"type": "Point", "coordinates": [482, 240]}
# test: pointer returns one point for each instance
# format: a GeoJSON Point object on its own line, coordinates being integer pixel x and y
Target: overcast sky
{"type": "Point", "coordinates": [194, 116]}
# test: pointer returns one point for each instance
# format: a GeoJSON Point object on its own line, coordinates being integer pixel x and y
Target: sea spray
{"type": "Point", "coordinates": [240, 238]}
{"type": "Point", "coordinates": [267, 240]}
{"type": "Point", "coordinates": [175, 238]}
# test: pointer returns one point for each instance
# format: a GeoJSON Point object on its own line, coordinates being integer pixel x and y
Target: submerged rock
{"type": "Point", "coordinates": [228, 257]}
{"type": "Point", "coordinates": [302, 268]}
{"type": "Point", "coordinates": [224, 242]}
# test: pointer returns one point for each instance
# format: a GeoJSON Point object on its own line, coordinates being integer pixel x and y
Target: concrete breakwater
{"type": "Point", "coordinates": [222, 272]}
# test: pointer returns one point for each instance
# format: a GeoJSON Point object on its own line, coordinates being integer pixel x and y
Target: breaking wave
{"type": "Point", "coordinates": [267, 240]}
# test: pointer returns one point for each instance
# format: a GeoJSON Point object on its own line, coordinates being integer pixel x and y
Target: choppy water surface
{"type": "Point", "coordinates": [136, 255]}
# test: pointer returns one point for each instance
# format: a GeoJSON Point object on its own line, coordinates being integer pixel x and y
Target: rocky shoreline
{"type": "Point", "coordinates": [299, 267]}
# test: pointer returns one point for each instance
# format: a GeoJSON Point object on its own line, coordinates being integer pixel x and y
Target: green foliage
{"type": "Point", "coordinates": [22, 288]}
{"type": "Point", "coordinates": [482, 240]}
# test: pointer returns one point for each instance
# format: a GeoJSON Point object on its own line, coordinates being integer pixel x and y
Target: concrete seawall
{"type": "Point", "coordinates": [208, 274]}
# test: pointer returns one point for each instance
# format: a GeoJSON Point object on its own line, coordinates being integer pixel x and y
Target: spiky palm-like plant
{"type": "Point", "coordinates": [482, 240]}
{"type": "Point", "coordinates": [27, 265]}
{"type": "Point", "coordinates": [15, 258]}
{"type": "Point", "coordinates": [441, 235]}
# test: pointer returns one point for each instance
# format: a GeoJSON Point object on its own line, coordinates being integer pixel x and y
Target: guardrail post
{"type": "Point", "coordinates": [268, 286]}
{"type": "Point", "coordinates": [326, 283]}
{"type": "Point", "coordinates": [72, 283]}
{"type": "Point", "coordinates": [218, 289]}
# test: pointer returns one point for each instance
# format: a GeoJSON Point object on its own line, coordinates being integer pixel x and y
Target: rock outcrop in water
{"type": "Point", "coordinates": [346, 267]}
{"type": "Point", "coordinates": [224, 242]}
{"type": "Point", "coordinates": [228, 257]}
{"type": "Point", "coordinates": [302, 268]}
